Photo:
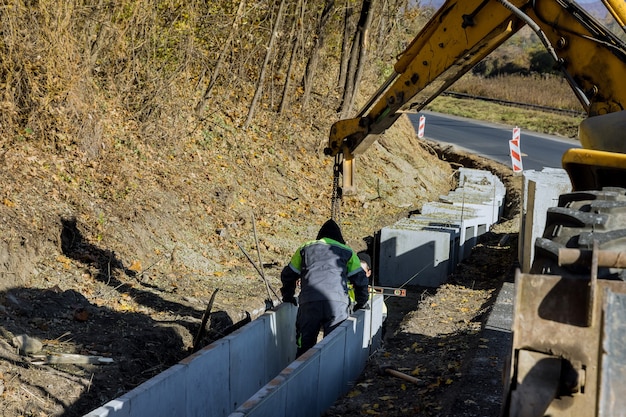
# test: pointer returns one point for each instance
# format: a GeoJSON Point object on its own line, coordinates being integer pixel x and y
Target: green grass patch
{"type": "Point", "coordinates": [536, 121]}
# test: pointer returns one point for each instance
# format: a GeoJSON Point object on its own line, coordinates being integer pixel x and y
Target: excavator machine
{"type": "Point", "coordinates": [568, 355]}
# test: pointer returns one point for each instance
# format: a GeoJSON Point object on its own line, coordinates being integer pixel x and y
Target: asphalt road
{"type": "Point", "coordinates": [491, 140]}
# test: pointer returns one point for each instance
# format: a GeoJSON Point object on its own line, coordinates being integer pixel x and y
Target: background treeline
{"type": "Point", "coordinates": [76, 70]}
{"type": "Point", "coordinates": [67, 67]}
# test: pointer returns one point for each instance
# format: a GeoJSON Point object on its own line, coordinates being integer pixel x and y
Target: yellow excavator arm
{"type": "Point", "coordinates": [463, 32]}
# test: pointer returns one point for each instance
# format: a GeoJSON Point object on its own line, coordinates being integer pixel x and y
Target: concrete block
{"type": "Point", "coordinates": [314, 381]}
{"type": "Point", "coordinates": [202, 369]}
{"type": "Point", "coordinates": [269, 401]}
{"type": "Point", "coordinates": [292, 392]}
{"type": "Point", "coordinates": [276, 357]}
{"type": "Point", "coordinates": [160, 396]}
{"type": "Point", "coordinates": [540, 191]}
{"type": "Point", "coordinates": [489, 210]}
{"type": "Point", "coordinates": [471, 225]}
{"type": "Point", "coordinates": [333, 381]}
{"type": "Point", "coordinates": [470, 176]}
{"type": "Point", "coordinates": [483, 188]}
{"type": "Point", "coordinates": [413, 257]}
{"type": "Point", "coordinates": [376, 322]}
{"type": "Point", "coordinates": [476, 176]}
{"type": "Point", "coordinates": [434, 224]}
{"type": "Point", "coordinates": [247, 361]}
{"type": "Point", "coordinates": [353, 354]}
{"type": "Point", "coordinates": [302, 392]}
{"type": "Point", "coordinates": [283, 326]}
{"type": "Point", "coordinates": [450, 211]}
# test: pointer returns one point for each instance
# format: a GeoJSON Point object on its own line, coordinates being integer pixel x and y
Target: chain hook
{"type": "Point", "coordinates": [337, 193]}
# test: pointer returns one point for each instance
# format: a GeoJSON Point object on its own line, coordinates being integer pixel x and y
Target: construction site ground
{"type": "Point", "coordinates": [139, 306]}
{"type": "Point", "coordinates": [439, 338]}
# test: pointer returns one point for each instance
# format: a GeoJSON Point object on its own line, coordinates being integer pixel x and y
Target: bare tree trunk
{"type": "Point", "coordinates": [296, 36]}
{"type": "Point", "coordinates": [345, 45]}
{"type": "Point", "coordinates": [357, 58]}
{"type": "Point", "coordinates": [391, 15]}
{"type": "Point", "coordinates": [383, 21]}
{"type": "Point", "coordinates": [363, 48]}
{"type": "Point", "coordinates": [348, 89]}
{"type": "Point", "coordinates": [268, 54]}
{"type": "Point", "coordinates": [318, 43]}
{"type": "Point", "coordinates": [221, 58]}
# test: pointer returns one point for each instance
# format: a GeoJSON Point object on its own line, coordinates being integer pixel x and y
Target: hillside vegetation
{"type": "Point", "coordinates": [135, 175]}
{"type": "Point", "coordinates": [128, 189]}
{"type": "Point", "coordinates": [106, 114]}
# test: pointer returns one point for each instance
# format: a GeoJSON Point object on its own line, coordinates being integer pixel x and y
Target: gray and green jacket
{"type": "Point", "coordinates": [325, 267]}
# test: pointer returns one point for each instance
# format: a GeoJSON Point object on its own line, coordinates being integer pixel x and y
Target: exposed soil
{"type": "Point", "coordinates": [125, 272]}
{"type": "Point", "coordinates": [432, 336]}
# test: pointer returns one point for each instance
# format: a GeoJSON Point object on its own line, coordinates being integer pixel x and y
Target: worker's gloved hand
{"type": "Point", "coordinates": [291, 299]}
{"type": "Point", "coordinates": [365, 306]}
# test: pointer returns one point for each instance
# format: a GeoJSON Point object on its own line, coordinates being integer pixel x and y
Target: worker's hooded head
{"type": "Point", "coordinates": [331, 230]}
{"type": "Point", "coordinates": [364, 257]}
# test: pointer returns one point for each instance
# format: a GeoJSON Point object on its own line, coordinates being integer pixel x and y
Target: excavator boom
{"type": "Point", "coordinates": [462, 33]}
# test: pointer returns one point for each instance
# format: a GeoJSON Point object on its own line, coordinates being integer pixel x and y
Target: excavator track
{"type": "Point", "coordinates": [580, 219]}
{"type": "Point", "coordinates": [568, 356]}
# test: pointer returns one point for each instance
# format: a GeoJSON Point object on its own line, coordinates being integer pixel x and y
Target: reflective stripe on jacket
{"type": "Point", "coordinates": [325, 266]}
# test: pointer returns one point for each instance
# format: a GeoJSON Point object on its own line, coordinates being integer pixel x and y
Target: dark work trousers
{"type": "Point", "coordinates": [314, 316]}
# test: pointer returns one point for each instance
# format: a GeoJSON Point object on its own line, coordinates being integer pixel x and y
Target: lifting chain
{"type": "Point", "coordinates": [335, 206]}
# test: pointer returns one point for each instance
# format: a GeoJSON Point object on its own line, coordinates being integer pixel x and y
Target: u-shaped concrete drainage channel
{"type": "Point", "coordinates": [253, 372]}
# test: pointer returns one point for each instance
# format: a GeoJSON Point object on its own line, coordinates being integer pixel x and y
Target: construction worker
{"type": "Point", "coordinates": [324, 267]}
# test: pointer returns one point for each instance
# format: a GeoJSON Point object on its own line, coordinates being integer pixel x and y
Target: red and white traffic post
{"type": "Point", "coordinates": [421, 126]}
{"type": "Point", "coordinates": [516, 154]}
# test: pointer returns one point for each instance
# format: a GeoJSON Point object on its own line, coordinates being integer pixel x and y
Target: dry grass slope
{"type": "Point", "coordinates": [119, 199]}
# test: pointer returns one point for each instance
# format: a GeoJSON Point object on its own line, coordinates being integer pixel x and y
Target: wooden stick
{"type": "Point", "coordinates": [205, 318]}
{"type": "Point", "coordinates": [403, 376]}
{"type": "Point", "coordinates": [256, 267]}
{"type": "Point", "coordinates": [69, 358]}
{"type": "Point", "coordinates": [258, 251]}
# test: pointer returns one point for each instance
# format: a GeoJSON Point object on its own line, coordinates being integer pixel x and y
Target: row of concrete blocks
{"type": "Point", "coordinates": [424, 248]}
{"type": "Point", "coordinates": [252, 372]}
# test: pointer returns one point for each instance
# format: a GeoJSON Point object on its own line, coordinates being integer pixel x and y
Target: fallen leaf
{"type": "Point", "coordinates": [135, 266]}
{"type": "Point", "coordinates": [354, 393]}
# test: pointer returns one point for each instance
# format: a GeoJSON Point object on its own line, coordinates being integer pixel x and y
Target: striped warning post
{"type": "Point", "coordinates": [516, 134]}
{"type": "Point", "coordinates": [516, 156]}
{"type": "Point", "coordinates": [422, 125]}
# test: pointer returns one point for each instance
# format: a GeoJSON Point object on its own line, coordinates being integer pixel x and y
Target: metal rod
{"type": "Point", "coordinates": [258, 251]}
{"type": "Point", "coordinates": [608, 259]}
